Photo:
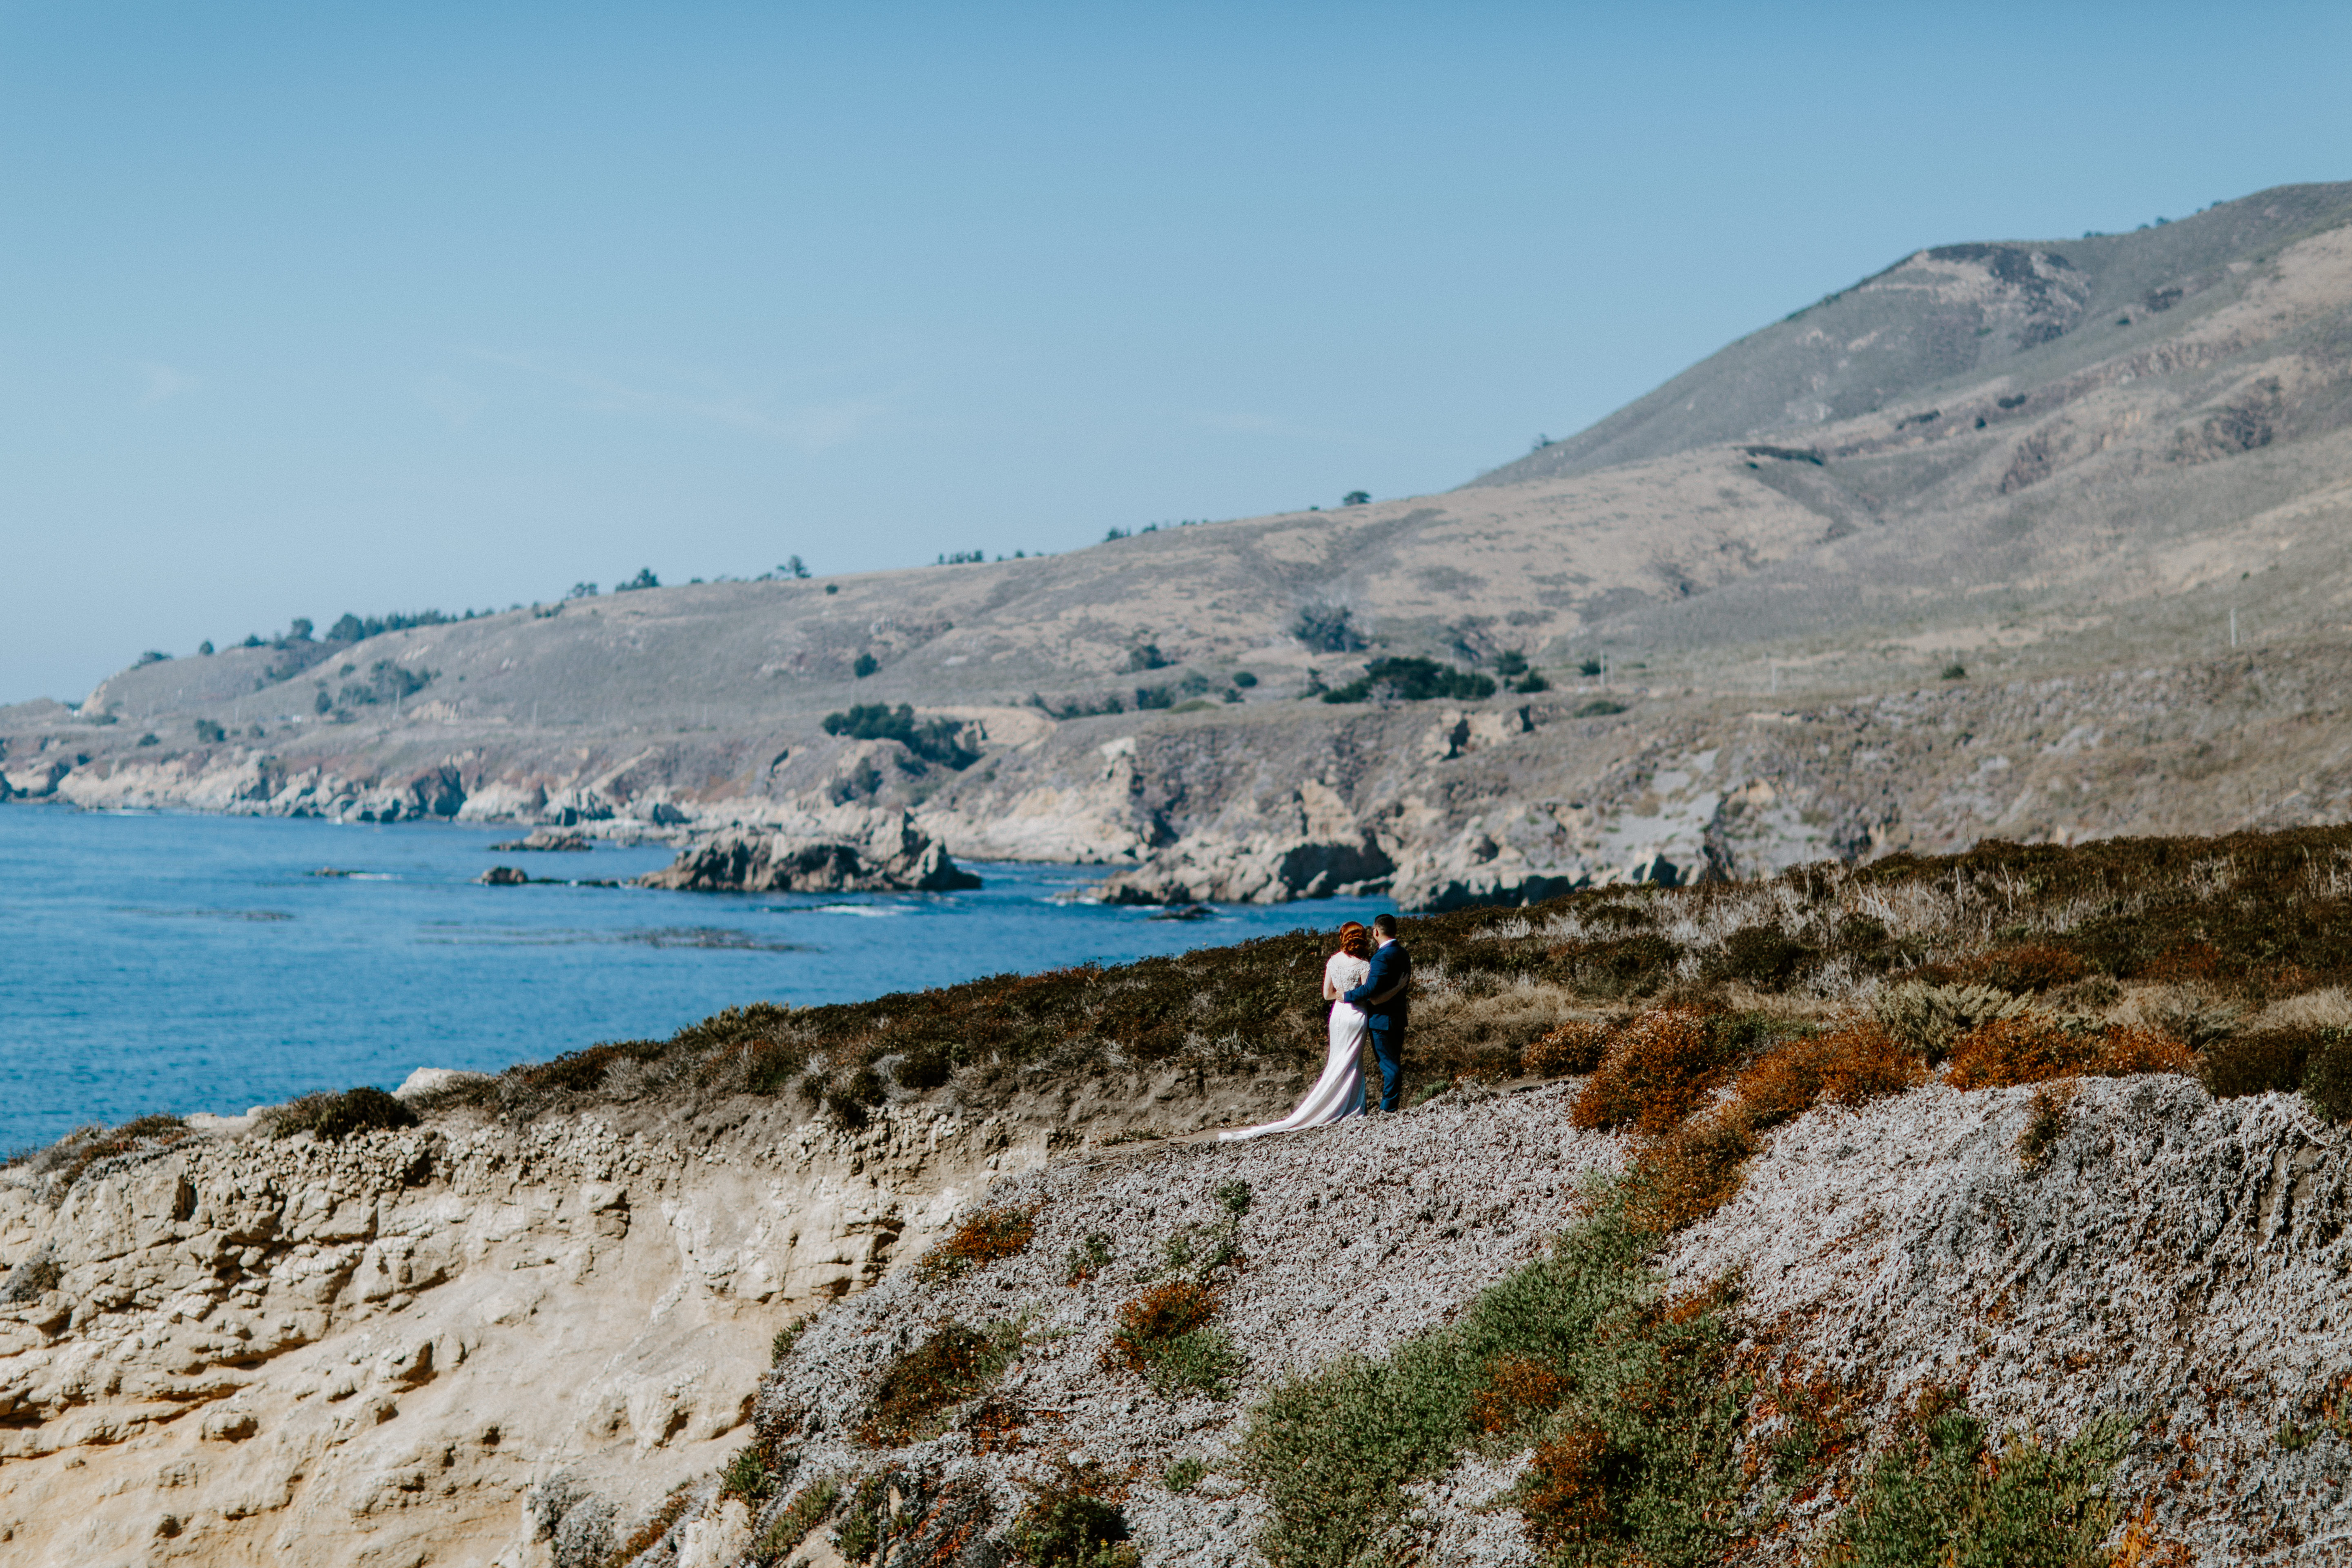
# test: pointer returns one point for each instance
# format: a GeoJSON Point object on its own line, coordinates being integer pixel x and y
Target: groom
{"type": "Point", "coordinates": [1382, 996]}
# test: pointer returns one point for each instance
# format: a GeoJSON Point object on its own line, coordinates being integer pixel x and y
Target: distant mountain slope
{"type": "Point", "coordinates": [2092, 480]}
{"type": "Point", "coordinates": [2029, 311]}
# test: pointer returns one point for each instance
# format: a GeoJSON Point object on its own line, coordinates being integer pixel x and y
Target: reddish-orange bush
{"type": "Point", "coordinates": [1682, 1177]}
{"type": "Point", "coordinates": [1658, 1068]}
{"type": "Point", "coordinates": [2127, 1049]}
{"type": "Point", "coordinates": [1853, 1064]}
{"type": "Point", "coordinates": [981, 1240]}
{"type": "Point", "coordinates": [2027, 1048]}
{"type": "Point", "coordinates": [1148, 1323]}
{"type": "Point", "coordinates": [1569, 1499]}
{"type": "Point", "coordinates": [2007, 1052]}
{"type": "Point", "coordinates": [1576, 1046]}
{"type": "Point", "coordinates": [1516, 1385]}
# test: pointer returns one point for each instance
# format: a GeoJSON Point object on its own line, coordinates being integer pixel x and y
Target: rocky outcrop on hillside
{"type": "Point", "coordinates": [891, 856]}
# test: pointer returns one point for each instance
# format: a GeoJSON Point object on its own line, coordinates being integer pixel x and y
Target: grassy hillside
{"type": "Point", "coordinates": [1948, 317]}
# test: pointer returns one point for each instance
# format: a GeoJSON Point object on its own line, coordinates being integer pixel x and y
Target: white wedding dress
{"type": "Point", "coordinates": [1339, 1092]}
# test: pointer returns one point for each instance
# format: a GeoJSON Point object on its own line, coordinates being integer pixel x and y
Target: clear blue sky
{"type": "Point", "coordinates": [316, 307]}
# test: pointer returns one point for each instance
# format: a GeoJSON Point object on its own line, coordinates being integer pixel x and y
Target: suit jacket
{"type": "Point", "coordinates": [1391, 966]}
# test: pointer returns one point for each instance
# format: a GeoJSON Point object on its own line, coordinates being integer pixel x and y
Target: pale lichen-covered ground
{"type": "Point", "coordinates": [2177, 1261]}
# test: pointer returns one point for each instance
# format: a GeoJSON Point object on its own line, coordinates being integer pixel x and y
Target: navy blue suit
{"type": "Point", "coordinates": [1385, 1021]}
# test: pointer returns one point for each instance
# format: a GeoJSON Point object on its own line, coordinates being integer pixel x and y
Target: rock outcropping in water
{"type": "Point", "coordinates": [893, 856]}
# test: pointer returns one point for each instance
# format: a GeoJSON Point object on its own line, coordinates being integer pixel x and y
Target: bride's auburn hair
{"type": "Point", "coordinates": [1355, 941]}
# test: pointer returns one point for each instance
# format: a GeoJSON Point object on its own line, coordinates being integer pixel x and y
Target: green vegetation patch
{"type": "Point", "coordinates": [335, 1116]}
{"type": "Point", "coordinates": [1628, 1396]}
{"type": "Point", "coordinates": [1073, 1519]}
{"type": "Point", "coordinates": [916, 1390]}
{"type": "Point", "coordinates": [933, 739]}
{"type": "Point", "coordinates": [1413, 680]}
{"type": "Point", "coordinates": [1941, 1494]}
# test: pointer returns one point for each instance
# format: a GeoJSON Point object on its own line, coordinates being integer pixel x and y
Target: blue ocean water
{"type": "Point", "coordinates": [159, 961]}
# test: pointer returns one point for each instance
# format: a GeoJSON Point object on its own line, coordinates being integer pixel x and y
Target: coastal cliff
{"type": "Point", "coordinates": [2014, 1183]}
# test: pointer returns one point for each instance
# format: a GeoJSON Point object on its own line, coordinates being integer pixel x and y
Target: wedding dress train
{"type": "Point", "coordinates": [1339, 1092]}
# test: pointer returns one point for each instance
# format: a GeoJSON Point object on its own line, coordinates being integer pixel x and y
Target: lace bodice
{"type": "Point", "coordinates": [1346, 971]}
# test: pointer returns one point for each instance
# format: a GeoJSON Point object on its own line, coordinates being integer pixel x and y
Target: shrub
{"type": "Point", "coordinates": [1763, 956]}
{"type": "Point", "coordinates": [1851, 1065]}
{"type": "Point", "coordinates": [2264, 1062]}
{"type": "Point", "coordinates": [58, 1167]}
{"type": "Point", "coordinates": [1573, 1050]}
{"type": "Point", "coordinates": [1169, 1336]}
{"type": "Point", "coordinates": [1657, 1070]}
{"type": "Point", "coordinates": [853, 1100]}
{"type": "Point", "coordinates": [915, 1391]}
{"type": "Point", "coordinates": [1928, 1018]}
{"type": "Point", "coordinates": [1685, 1176]}
{"type": "Point", "coordinates": [1074, 1521]}
{"type": "Point", "coordinates": [1518, 1387]}
{"type": "Point", "coordinates": [1413, 680]}
{"type": "Point", "coordinates": [981, 1240]}
{"type": "Point", "coordinates": [1244, 680]}
{"type": "Point", "coordinates": [331, 1117]}
{"type": "Point", "coordinates": [2021, 970]}
{"type": "Point", "coordinates": [209, 732]}
{"type": "Point", "coordinates": [2009, 1052]}
{"type": "Point", "coordinates": [1328, 628]}
{"type": "Point", "coordinates": [1333, 1452]}
{"type": "Point", "coordinates": [2328, 1077]}
{"type": "Point", "coordinates": [865, 664]}
{"type": "Point", "coordinates": [1622, 966]}
{"type": "Point", "coordinates": [934, 739]}
{"type": "Point", "coordinates": [750, 1474]}
{"type": "Point", "coordinates": [657, 1525]}
{"type": "Point", "coordinates": [1182, 1475]}
{"type": "Point", "coordinates": [644, 579]}
{"type": "Point", "coordinates": [1598, 708]}
{"type": "Point", "coordinates": [812, 1506]}
{"type": "Point", "coordinates": [1940, 1495]}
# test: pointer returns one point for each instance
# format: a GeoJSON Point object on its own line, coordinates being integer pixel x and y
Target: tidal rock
{"type": "Point", "coordinates": [548, 838]}
{"type": "Point", "coordinates": [893, 856]}
{"type": "Point", "coordinates": [1256, 871]}
{"type": "Point", "coordinates": [503, 876]}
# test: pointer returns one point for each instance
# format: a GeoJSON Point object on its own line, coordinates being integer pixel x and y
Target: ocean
{"type": "Point", "coordinates": [158, 962]}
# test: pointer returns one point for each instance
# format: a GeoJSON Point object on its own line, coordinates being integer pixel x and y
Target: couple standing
{"type": "Point", "coordinates": [1368, 983]}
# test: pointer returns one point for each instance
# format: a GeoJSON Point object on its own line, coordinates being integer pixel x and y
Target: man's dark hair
{"type": "Point", "coordinates": [1384, 925]}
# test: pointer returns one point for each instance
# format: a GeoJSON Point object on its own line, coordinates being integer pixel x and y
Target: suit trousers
{"type": "Point", "coordinates": [1387, 1049]}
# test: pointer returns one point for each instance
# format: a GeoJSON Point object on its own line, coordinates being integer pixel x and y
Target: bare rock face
{"type": "Point", "coordinates": [893, 856]}
{"type": "Point", "coordinates": [469, 1345]}
{"type": "Point", "coordinates": [1255, 870]}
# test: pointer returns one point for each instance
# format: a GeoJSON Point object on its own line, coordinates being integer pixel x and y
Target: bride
{"type": "Point", "coordinates": [1339, 1092]}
